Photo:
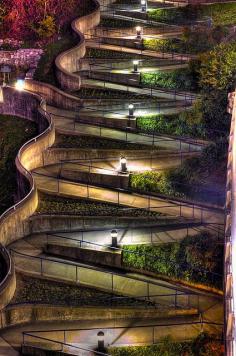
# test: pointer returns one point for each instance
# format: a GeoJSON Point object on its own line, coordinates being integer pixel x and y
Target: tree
{"type": "Point", "coordinates": [218, 67]}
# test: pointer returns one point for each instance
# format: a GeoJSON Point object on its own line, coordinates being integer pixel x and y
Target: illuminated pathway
{"type": "Point", "coordinates": [73, 178]}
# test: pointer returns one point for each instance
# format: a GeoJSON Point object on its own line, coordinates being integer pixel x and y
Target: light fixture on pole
{"type": "Point", "coordinates": [114, 235]}
{"type": "Point", "coordinates": [139, 32]}
{"type": "Point", "coordinates": [135, 64]}
{"type": "Point", "coordinates": [144, 5]}
{"type": "Point", "coordinates": [123, 165]}
{"type": "Point", "coordinates": [131, 110]}
{"type": "Point", "coordinates": [101, 346]}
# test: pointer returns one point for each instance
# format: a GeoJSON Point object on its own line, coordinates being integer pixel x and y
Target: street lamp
{"type": "Point", "coordinates": [123, 165]}
{"type": "Point", "coordinates": [131, 110]}
{"type": "Point", "coordinates": [135, 63]}
{"type": "Point", "coordinates": [114, 235]}
{"type": "Point", "coordinates": [144, 5]}
{"type": "Point", "coordinates": [100, 336]}
{"type": "Point", "coordinates": [139, 32]}
{"type": "Point", "coordinates": [20, 84]}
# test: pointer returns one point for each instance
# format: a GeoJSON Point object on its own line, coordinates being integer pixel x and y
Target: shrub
{"type": "Point", "coordinates": [195, 259]}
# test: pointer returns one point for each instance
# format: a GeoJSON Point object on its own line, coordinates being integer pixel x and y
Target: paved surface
{"type": "Point", "coordinates": [123, 283]}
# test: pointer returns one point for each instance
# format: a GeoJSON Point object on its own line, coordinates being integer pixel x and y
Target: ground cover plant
{"type": "Point", "coordinates": [197, 259]}
{"type": "Point", "coordinates": [65, 141]}
{"type": "Point", "coordinates": [186, 123]}
{"type": "Point", "coordinates": [220, 13]}
{"type": "Point", "coordinates": [192, 180]}
{"type": "Point", "coordinates": [14, 132]}
{"type": "Point", "coordinates": [191, 41]}
{"type": "Point", "coordinates": [203, 345]}
{"type": "Point", "coordinates": [179, 79]}
{"type": "Point", "coordinates": [57, 205]}
{"type": "Point", "coordinates": [36, 290]}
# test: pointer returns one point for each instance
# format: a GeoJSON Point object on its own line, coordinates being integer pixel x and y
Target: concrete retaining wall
{"type": "Point", "coordinates": [54, 96]}
{"type": "Point", "coordinates": [30, 156]}
{"type": "Point", "coordinates": [30, 313]}
{"type": "Point", "coordinates": [102, 258]}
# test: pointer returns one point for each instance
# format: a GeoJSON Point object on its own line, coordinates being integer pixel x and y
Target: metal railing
{"type": "Point", "coordinates": [66, 339]}
{"type": "Point", "coordinates": [212, 278]}
{"type": "Point", "coordinates": [136, 199]}
{"type": "Point", "coordinates": [92, 166]}
{"type": "Point", "coordinates": [112, 282]}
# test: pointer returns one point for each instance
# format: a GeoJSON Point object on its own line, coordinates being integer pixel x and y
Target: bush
{"type": "Point", "coordinates": [203, 345]}
{"type": "Point", "coordinates": [188, 180]}
{"type": "Point", "coordinates": [195, 259]}
{"type": "Point", "coordinates": [221, 14]}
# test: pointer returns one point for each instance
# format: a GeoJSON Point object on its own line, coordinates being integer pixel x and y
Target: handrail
{"type": "Point", "coordinates": [178, 290]}
{"type": "Point", "coordinates": [122, 250]}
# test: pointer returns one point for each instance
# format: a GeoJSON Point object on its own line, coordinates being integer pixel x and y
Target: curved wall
{"type": "Point", "coordinates": [13, 221]}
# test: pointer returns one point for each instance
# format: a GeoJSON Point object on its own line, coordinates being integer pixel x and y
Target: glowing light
{"type": "Point", "coordinates": [20, 85]}
{"type": "Point", "coordinates": [114, 235]}
{"type": "Point", "coordinates": [131, 110]}
{"type": "Point", "coordinates": [100, 336]}
{"type": "Point", "coordinates": [135, 63]}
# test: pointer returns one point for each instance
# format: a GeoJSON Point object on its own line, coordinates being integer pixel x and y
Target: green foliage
{"type": "Point", "coordinates": [191, 41]}
{"type": "Point", "coordinates": [45, 69]}
{"type": "Point", "coordinates": [192, 259]}
{"type": "Point", "coordinates": [186, 123]}
{"type": "Point", "coordinates": [82, 207]}
{"type": "Point", "coordinates": [14, 132]}
{"type": "Point", "coordinates": [218, 67]}
{"type": "Point", "coordinates": [92, 142]}
{"type": "Point", "coordinates": [46, 27]}
{"type": "Point", "coordinates": [203, 345]}
{"type": "Point", "coordinates": [221, 14]}
{"type": "Point", "coordinates": [174, 79]}
{"type": "Point", "coordinates": [187, 180]}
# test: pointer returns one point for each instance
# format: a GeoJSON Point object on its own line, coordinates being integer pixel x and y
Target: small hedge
{"type": "Point", "coordinates": [221, 14]}
{"type": "Point", "coordinates": [195, 259]}
{"type": "Point", "coordinates": [187, 123]}
{"type": "Point", "coordinates": [188, 180]}
{"type": "Point", "coordinates": [183, 79]}
{"type": "Point", "coordinates": [203, 345]}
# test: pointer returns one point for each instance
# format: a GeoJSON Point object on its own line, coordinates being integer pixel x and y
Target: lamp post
{"type": "Point", "coordinates": [101, 346]}
{"type": "Point", "coordinates": [139, 32]}
{"type": "Point", "coordinates": [135, 64]}
{"type": "Point", "coordinates": [123, 165]}
{"type": "Point", "coordinates": [114, 235]}
{"type": "Point", "coordinates": [131, 110]}
{"type": "Point", "coordinates": [144, 5]}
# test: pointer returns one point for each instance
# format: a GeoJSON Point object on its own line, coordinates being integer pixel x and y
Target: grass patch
{"type": "Point", "coordinates": [65, 141]}
{"type": "Point", "coordinates": [93, 93]}
{"type": "Point", "coordinates": [14, 132]}
{"type": "Point", "coordinates": [35, 290]}
{"type": "Point", "coordinates": [82, 207]}
{"type": "Point", "coordinates": [197, 259]}
{"type": "Point", "coordinates": [203, 345]}
{"type": "Point", "coordinates": [105, 54]}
